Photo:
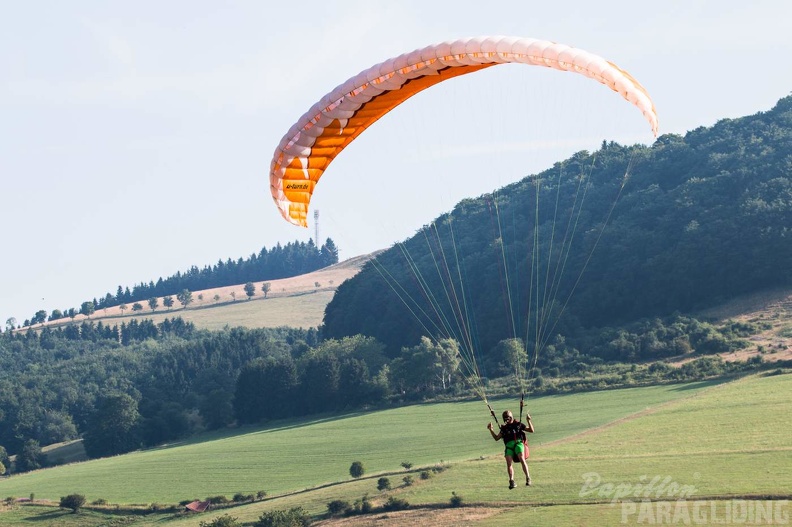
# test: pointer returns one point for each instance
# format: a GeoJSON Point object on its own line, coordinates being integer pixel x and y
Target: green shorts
{"type": "Point", "coordinates": [514, 449]}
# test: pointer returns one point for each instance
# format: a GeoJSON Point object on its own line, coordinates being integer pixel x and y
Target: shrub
{"type": "Point", "coordinates": [102, 501]}
{"type": "Point", "coordinates": [659, 368]}
{"type": "Point", "coordinates": [425, 474]}
{"type": "Point", "coordinates": [407, 465]}
{"type": "Point", "coordinates": [363, 506]}
{"type": "Point", "coordinates": [260, 495]}
{"type": "Point", "coordinates": [239, 497]}
{"type": "Point", "coordinates": [217, 500]}
{"type": "Point", "coordinates": [72, 501]}
{"type": "Point", "coordinates": [395, 504]}
{"type": "Point", "coordinates": [356, 470]}
{"type": "Point", "coordinates": [408, 480]}
{"type": "Point", "coordinates": [456, 500]}
{"type": "Point", "coordinates": [383, 484]}
{"type": "Point", "coordinates": [337, 507]}
{"type": "Point", "coordinates": [294, 517]}
{"type": "Point", "coordinates": [221, 521]}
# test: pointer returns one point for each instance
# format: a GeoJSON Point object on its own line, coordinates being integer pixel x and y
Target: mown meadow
{"type": "Point", "coordinates": [715, 440]}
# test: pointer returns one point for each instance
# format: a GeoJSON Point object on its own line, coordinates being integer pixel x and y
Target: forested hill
{"type": "Point", "coordinates": [281, 261]}
{"type": "Point", "coordinates": [700, 218]}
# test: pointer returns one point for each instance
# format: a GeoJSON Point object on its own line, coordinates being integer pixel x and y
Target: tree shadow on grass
{"type": "Point", "coordinates": [47, 516]}
{"type": "Point", "coordinates": [266, 428]}
{"type": "Point", "coordinates": [699, 385]}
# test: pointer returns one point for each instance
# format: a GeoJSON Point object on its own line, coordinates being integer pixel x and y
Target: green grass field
{"type": "Point", "coordinates": [715, 440]}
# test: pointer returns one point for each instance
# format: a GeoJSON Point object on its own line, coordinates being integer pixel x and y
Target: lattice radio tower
{"type": "Point", "coordinates": [316, 228]}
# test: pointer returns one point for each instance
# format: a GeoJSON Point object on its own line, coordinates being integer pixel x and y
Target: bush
{"type": "Point", "coordinates": [72, 501]}
{"type": "Point", "coordinates": [456, 500]}
{"type": "Point", "coordinates": [407, 465]}
{"type": "Point", "coordinates": [221, 521]}
{"type": "Point", "coordinates": [239, 497]}
{"type": "Point", "coordinates": [425, 474]}
{"type": "Point", "coordinates": [337, 507]}
{"type": "Point", "coordinates": [395, 504]}
{"type": "Point", "coordinates": [356, 470]}
{"type": "Point", "coordinates": [217, 500]}
{"type": "Point", "coordinates": [102, 501]}
{"type": "Point", "coordinates": [408, 480]}
{"type": "Point", "coordinates": [260, 495]}
{"type": "Point", "coordinates": [294, 517]}
{"type": "Point", "coordinates": [363, 506]}
{"type": "Point", "coordinates": [383, 484]}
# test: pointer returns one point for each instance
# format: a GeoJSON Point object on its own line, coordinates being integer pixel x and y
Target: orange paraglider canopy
{"type": "Point", "coordinates": [339, 117]}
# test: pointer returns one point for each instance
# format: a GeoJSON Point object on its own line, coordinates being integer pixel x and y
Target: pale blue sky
{"type": "Point", "coordinates": [136, 137]}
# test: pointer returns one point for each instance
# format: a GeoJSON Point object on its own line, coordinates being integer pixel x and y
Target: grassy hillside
{"type": "Point", "coordinates": [298, 301]}
{"type": "Point", "coordinates": [725, 440]}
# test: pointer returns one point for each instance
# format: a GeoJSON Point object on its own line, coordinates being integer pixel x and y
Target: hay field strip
{"type": "Point", "coordinates": [298, 301]}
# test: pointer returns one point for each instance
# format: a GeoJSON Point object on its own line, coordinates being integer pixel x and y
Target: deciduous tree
{"type": "Point", "coordinates": [184, 298]}
{"type": "Point", "coordinates": [250, 290]}
{"type": "Point", "coordinates": [73, 502]}
{"type": "Point", "coordinates": [265, 389]}
{"type": "Point", "coordinates": [113, 427]}
{"type": "Point", "coordinates": [87, 308]}
{"type": "Point", "coordinates": [357, 470]}
{"type": "Point", "coordinates": [40, 317]}
{"type": "Point", "coordinates": [31, 457]}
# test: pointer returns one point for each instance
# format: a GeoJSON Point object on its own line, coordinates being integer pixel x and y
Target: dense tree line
{"type": "Point", "coordinates": [293, 259]}
{"type": "Point", "coordinates": [602, 238]}
{"type": "Point", "coordinates": [52, 381]}
{"type": "Point", "coordinates": [142, 384]}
